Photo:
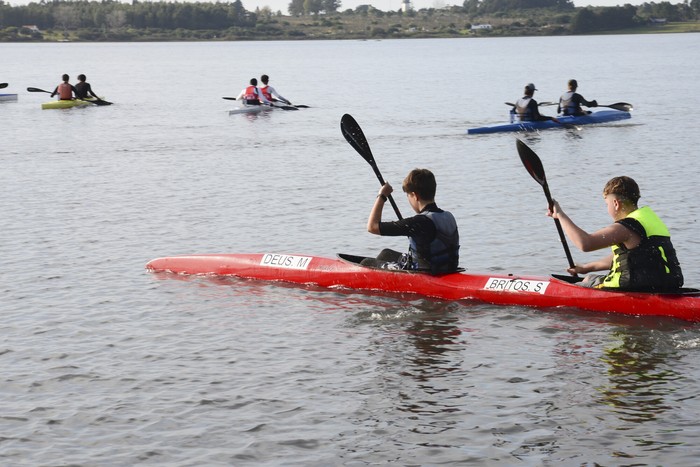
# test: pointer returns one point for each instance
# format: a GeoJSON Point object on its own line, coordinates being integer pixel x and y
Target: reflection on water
{"type": "Point", "coordinates": [638, 376]}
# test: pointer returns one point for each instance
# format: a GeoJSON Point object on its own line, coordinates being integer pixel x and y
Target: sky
{"type": "Point", "coordinates": [386, 5]}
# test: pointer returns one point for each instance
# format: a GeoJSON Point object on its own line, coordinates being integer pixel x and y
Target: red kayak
{"type": "Point", "coordinates": [499, 289]}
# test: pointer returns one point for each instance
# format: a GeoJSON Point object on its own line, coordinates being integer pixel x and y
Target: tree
{"type": "Point", "coordinates": [583, 22]}
{"type": "Point", "coordinates": [296, 7]}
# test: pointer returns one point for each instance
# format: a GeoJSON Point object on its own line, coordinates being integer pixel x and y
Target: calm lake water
{"type": "Point", "coordinates": [106, 364]}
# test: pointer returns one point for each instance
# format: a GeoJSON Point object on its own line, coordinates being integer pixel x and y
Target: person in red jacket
{"type": "Point", "coordinates": [252, 95]}
{"type": "Point", "coordinates": [271, 93]}
{"type": "Point", "coordinates": [65, 90]}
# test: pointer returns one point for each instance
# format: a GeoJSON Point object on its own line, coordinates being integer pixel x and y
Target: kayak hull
{"type": "Point", "coordinates": [250, 109]}
{"type": "Point", "coordinates": [67, 104]}
{"type": "Point", "coordinates": [498, 289]}
{"type": "Point", "coordinates": [602, 116]}
{"type": "Point", "coordinates": [8, 97]}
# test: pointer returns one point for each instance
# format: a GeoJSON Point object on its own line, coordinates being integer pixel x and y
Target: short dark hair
{"type": "Point", "coordinates": [573, 83]}
{"type": "Point", "coordinates": [422, 182]}
{"type": "Point", "coordinates": [624, 187]}
{"type": "Point", "coordinates": [264, 78]}
{"type": "Point", "coordinates": [82, 77]}
{"type": "Point", "coordinates": [254, 81]}
{"type": "Point", "coordinates": [65, 77]}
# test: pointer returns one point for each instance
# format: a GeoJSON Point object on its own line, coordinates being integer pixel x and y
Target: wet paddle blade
{"type": "Point", "coordinates": [37, 90]}
{"type": "Point", "coordinates": [532, 163]}
{"type": "Point", "coordinates": [621, 106]}
{"type": "Point", "coordinates": [353, 134]}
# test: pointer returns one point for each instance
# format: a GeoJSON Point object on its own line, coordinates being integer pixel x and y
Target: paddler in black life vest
{"type": "Point", "coordinates": [643, 257]}
{"type": "Point", "coordinates": [252, 95]}
{"type": "Point", "coordinates": [433, 234]}
{"type": "Point", "coordinates": [527, 109]}
{"type": "Point", "coordinates": [83, 89]}
{"type": "Point", "coordinates": [570, 102]}
{"type": "Point", "coordinates": [65, 90]}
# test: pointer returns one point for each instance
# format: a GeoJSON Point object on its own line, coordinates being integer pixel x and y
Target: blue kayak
{"type": "Point", "coordinates": [601, 116]}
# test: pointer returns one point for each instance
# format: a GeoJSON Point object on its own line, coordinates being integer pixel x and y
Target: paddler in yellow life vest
{"type": "Point", "coordinates": [643, 257]}
{"type": "Point", "coordinates": [252, 95]}
{"type": "Point", "coordinates": [65, 90]}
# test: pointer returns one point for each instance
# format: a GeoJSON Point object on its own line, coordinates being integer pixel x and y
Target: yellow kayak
{"type": "Point", "coordinates": [67, 104]}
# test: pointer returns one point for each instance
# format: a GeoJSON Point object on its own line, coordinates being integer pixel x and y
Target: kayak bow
{"type": "Point", "coordinates": [498, 289]}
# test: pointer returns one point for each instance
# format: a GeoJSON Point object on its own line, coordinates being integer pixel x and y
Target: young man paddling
{"type": "Point", "coordinates": [83, 89]}
{"type": "Point", "coordinates": [252, 95]}
{"type": "Point", "coordinates": [433, 234]}
{"type": "Point", "coordinates": [570, 102]}
{"type": "Point", "coordinates": [643, 257]}
{"type": "Point", "coordinates": [271, 93]}
{"type": "Point", "coordinates": [527, 109]}
{"type": "Point", "coordinates": [65, 90]}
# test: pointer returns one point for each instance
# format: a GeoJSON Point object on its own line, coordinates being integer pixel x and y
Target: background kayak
{"type": "Point", "coordinates": [601, 116]}
{"type": "Point", "coordinates": [8, 97]}
{"type": "Point", "coordinates": [496, 288]}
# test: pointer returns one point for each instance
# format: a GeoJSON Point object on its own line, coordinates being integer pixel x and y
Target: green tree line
{"type": "Point", "coordinates": [113, 20]}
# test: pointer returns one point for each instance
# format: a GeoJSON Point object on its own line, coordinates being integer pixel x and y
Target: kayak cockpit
{"type": "Point", "coordinates": [357, 260]}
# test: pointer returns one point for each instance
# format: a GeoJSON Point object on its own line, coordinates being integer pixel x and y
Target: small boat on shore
{"type": "Point", "coordinates": [601, 116]}
{"type": "Point", "coordinates": [499, 289]}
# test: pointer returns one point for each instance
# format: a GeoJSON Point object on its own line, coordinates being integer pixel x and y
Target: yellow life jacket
{"type": "Point", "coordinates": [652, 266]}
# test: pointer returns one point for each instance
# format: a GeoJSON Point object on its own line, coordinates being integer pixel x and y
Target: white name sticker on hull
{"type": "Point", "coordinates": [516, 285]}
{"type": "Point", "coordinates": [285, 261]}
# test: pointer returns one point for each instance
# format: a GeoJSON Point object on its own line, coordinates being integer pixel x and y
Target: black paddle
{"type": "Point", "coordinates": [96, 102]}
{"type": "Point", "coordinates": [539, 103]}
{"type": "Point", "coordinates": [283, 107]}
{"type": "Point", "coordinates": [533, 164]}
{"type": "Point", "coordinates": [3, 85]}
{"type": "Point", "coordinates": [354, 135]}
{"type": "Point", "coordinates": [621, 106]}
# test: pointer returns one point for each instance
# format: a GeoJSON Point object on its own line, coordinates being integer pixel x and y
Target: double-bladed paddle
{"type": "Point", "coordinates": [283, 107]}
{"type": "Point", "coordinates": [539, 103]}
{"type": "Point", "coordinates": [533, 164]}
{"type": "Point", "coordinates": [621, 106]}
{"type": "Point", "coordinates": [353, 134]}
{"type": "Point", "coordinates": [98, 101]}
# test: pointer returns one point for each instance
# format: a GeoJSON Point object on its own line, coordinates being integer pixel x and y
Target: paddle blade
{"type": "Point", "coordinates": [532, 162]}
{"type": "Point", "coordinates": [3, 85]}
{"type": "Point", "coordinates": [353, 134]}
{"type": "Point", "coordinates": [622, 106]}
{"type": "Point", "coordinates": [37, 90]}
{"type": "Point", "coordinates": [301, 106]}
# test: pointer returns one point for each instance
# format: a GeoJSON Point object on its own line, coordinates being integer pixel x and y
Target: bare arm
{"type": "Point", "coordinates": [375, 216]}
{"type": "Point", "coordinates": [602, 264]}
{"type": "Point", "coordinates": [607, 236]}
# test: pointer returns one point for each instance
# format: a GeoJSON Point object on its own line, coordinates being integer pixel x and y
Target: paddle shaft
{"type": "Point", "coordinates": [534, 166]}
{"type": "Point", "coordinates": [560, 230]}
